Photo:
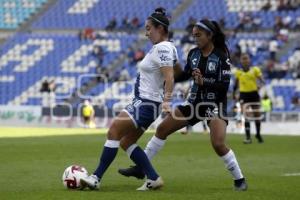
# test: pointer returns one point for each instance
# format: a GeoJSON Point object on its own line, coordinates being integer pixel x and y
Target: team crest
{"type": "Point", "coordinates": [211, 67]}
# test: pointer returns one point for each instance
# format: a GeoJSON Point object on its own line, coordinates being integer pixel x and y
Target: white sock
{"type": "Point", "coordinates": [130, 149]}
{"type": "Point", "coordinates": [154, 146]}
{"type": "Point", "coordinates": [232, 165]}
{"type": "Point", "coordinates": [112, 143]}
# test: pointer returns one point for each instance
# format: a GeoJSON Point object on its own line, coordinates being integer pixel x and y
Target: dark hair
{"type": "Point", "coordinates": [159, 18]}
{"type": "Point", "coordinates": [218, 37]}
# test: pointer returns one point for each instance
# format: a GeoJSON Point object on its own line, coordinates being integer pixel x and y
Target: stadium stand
{"type": "Point", "coordinates": [233, 11]}
{"type": "Point", "coordinates": [97, 13]}
{"type": "Point", "coordinates": [29, 59]}
{"type": "Point", "coordinates": [14, 12]}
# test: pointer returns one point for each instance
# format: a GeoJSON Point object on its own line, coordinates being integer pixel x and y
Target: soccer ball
{"type": "Point", "coordinates": [72, 175]}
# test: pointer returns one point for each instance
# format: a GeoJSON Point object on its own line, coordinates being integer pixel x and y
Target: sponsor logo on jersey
{"type": "Point", "coordinates": [163, 51]}
{"type": "Point", "coordinates": [228, 61]}
{"type": "Point", "coordinates": [209, 80]}
{"type": "Point", "coordinates": [226, 72]}
{"type": "Point", "coordinates": [194, 61]}
{"type": "Point", "coordinates": [164, 58]}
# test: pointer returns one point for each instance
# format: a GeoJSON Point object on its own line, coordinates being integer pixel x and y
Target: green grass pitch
{"type": "Point", "coordinates": [33, 160]}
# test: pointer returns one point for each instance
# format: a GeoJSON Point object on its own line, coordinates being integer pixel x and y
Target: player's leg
{"type": "Point", "coordinates": [257, 115]}
{"type": "Point", "coordinates": [169, 125]}
{"type": "Point", "coordinates": [245, 112]}
{"type": "Point", "coordinates": [126, 142]}
{"type": "Point", "coordinates": [144, 115]}
{"type": "Point", "coordinates": [120, 127]}
{"type": "Point", "coordinates": [218, 134]}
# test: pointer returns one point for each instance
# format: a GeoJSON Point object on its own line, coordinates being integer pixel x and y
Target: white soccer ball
{"type": "Point", "coordinates": [72, 175]}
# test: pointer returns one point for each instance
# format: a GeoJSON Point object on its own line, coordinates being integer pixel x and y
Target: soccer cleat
{"type": "Point", "coordinates": [240, 185]}
{"type": "Point", "coordinates": [91, 182]}
{"type": "Point", "coordinates": [134, 171]}
{"type": "Point", "coordinates": [151, 185]}
{"type": "Point", "coordinates": [247, 141]}
{"type": "Point", "coordinates": [259, 139]}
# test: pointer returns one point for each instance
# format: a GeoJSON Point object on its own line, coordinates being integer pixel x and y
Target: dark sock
{"type": "Point", "coordinates": [108, 155]}
{"type": "Point", "coordinates": [257, 125]}
{"type": "Point", "coordinates": [139, 157]}
{"type": "Point", "coordinates": [247, 129]}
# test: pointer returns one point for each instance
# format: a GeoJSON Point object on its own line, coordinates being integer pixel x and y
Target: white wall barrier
{"type": "Point", "coordinates": [31, 116]}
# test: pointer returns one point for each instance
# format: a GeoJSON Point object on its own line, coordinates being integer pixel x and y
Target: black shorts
{"type": "Point", "coordinates": [197, 112]}
{"type": "Point", "coordinates": [249, 97]}
{"type": "Point", "coordinates": [86, 119]}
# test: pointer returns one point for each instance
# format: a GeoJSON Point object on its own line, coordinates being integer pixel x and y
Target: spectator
{"type": "Point", "coordinates": [295, 101]}
{"type": "Point", "coordinates": [191, 23]}
{"type": "Point", "coordinates": [295, 4]}
{"type": "Point", "coordinates": [99, 53]}
{"type": "Point", "coordinates": [287, 20]}
{"type": "Point", "coordinates": [256, 23]}
{"type": "Point", "coordinates": [283, 35]}
{"type": "Point", "coordinates": [246, 21]}
{"type": "Point", "coordinates": [48, 86]}
{"type": "Point", "coordinates": [88, 114]}
{"type": "Point", "coordinates": [266, 105]}
{"type": "Point", "coordinates": [291, 4]}
{"type": "Point", "coordinates": [112, 24]}
{"type": "Point", "coordinates": [87, 34]}
{"type": "Point", "coordinates": [273, 48]}
{"type": "Point", "coordinates": [45, 87]}
{"type": "Point", "coordinates": [130, 56]}
{"type": "Point", "coordinates": [124, 75]}
{"type": "Point", "coordinates": [266, 6]}
{"type": "Point", "coordinates": [281, 5]}
{"type": "Point", "coordinates": [278, 24]}
{"type": "Point", "coordinates": [126, 26]}
{"type": "Point", "coordinates": [135, 23]}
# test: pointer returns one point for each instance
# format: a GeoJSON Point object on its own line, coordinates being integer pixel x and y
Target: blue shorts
{"type": "Point", "coordinates": [143, 112]}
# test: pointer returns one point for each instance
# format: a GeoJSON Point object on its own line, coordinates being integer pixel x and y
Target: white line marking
{"type": "Point", "coordinates": [291, 174]}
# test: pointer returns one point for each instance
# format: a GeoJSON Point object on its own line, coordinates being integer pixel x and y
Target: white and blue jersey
{"type": "Point", "coordinates": [149, 86]}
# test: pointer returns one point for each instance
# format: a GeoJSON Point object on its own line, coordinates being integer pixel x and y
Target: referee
{"type": "Point", "coordinates": [246, 81]}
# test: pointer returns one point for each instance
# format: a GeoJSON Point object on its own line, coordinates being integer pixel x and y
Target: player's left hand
{"type": "Point", "coordinates": [197, 76]}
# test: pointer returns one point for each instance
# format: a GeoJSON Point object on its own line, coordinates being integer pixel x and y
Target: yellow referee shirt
{"type": "Point", "coordinates": [247, 80]}
{"type": "Point", "coordinates": [87, 111]}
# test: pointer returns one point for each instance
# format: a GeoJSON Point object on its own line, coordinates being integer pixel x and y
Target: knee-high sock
{"type": "Point", "coordinates": [109, 153]}
{"type": "Point", "coordinates": [154, 146]}
{"type": "Point", "coordinates": [232, 165]}
{"type": "Point", "coordinates": [138, 156]}
{"type": "Point", "coordinates": [247, 129]}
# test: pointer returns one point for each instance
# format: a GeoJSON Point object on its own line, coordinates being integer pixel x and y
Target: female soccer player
{"type": "Point", "coordinates": [246, 81]}
{"type": "Point", "coordinates": [209, 66]}
{"type": "Point", "coordinates": [153, 87]}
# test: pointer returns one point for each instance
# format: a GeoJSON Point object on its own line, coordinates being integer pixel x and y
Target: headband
{"type": "Point", "coordinates": [202, 25]}
{"type": "Point", "coordinates": [158, 21]}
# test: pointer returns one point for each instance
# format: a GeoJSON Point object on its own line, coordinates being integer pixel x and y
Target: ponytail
{"type": "Point", "coordinates": [219, 39]}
